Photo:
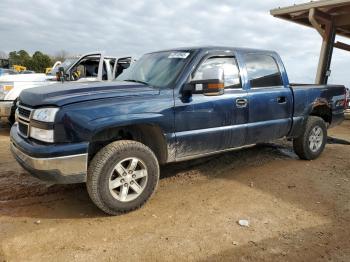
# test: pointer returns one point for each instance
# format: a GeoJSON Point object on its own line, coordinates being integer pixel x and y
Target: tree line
{"type": "Point", "coordinates": [37, 62]}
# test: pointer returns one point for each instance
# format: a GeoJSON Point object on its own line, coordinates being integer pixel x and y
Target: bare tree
{"type": "Point", "coordinates": [60, 56]}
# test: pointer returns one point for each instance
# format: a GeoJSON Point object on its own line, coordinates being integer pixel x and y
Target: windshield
{"type": "Point", "coordinates": [156, 69]}
{"type": "Point", "coordinates": [66, 64]}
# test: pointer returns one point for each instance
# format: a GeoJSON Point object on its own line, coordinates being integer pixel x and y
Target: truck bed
{"type": "Point", "coordinates": [329, 96]}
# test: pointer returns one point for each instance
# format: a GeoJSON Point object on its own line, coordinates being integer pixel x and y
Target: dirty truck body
{"type": "Point", "coordinates": [169, 106]}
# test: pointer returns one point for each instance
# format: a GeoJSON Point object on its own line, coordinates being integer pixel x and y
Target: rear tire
{"type": "Point", "coordinates": [122, 177]}
{"type": "Point", "coordinates": [311, 143]}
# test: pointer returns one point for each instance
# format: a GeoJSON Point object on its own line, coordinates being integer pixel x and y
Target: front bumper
{"type": "Point", "coordinates": [347, 113]}
{"type": "Point", "coordinates": [60, 169]}
{"type": "Point", "coordinates": [5, 108]}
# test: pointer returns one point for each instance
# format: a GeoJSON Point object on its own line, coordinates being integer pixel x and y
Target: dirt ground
{"type": "Point", "coordinates": [297, 210]}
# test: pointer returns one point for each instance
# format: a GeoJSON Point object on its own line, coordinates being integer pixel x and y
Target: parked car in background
{"type": "Point", "coordinates": [169, 106]}
{"type": "Point", "coordinates": [26, 72]}
{"type": "Point", "coordinates": [90, 67]}
{"type": "Point", "coordinates": [5, 72]}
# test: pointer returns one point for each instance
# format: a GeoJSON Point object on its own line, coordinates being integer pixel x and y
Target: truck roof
{"type": "Point", "coordinates": [219, 48]}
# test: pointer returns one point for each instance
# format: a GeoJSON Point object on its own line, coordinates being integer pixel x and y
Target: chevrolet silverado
{"type": "Point", "coordinates": [168, 106]}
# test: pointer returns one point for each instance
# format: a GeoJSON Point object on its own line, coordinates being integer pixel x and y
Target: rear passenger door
{"type": "Point", "coordinates": [270, 101]}
{"type": "Point", "coordinates": [120, 65]}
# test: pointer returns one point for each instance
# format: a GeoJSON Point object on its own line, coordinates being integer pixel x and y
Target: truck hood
{"type": "Point", "coordinates": [67, 93]}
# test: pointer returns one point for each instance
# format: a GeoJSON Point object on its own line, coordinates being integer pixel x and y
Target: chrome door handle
{"type": "Point", "coordinates": [241, 102]}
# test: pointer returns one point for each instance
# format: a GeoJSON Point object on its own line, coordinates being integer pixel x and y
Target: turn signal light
{"type": "Point", "coordinates": [216, 86]}
{"type": "Point", "coordinates": [7, 88]}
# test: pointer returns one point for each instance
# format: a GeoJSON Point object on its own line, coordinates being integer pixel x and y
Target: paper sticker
{"type": "Point", "coordinates": [181, 55]}
{"type": "Point", "coordinates": [199, 87]}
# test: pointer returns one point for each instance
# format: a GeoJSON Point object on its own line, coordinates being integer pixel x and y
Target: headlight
{"type": "Point", "coordinates": [5, 88]}
{"type": "Point", "coordinates": [41, 134]}
{"type": "Point", "coordinates": [45, 114]}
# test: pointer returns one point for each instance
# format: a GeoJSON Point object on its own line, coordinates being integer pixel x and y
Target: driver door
{"type": "Point", "coordinates": [208, 124]}
{"type": "Point", "coordinates": [89, 68]}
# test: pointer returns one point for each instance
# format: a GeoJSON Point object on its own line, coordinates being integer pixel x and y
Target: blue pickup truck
{"type": "Point", "coordinates": [169, 106]}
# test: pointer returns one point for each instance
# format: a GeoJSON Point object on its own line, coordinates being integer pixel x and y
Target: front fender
{"type": "Point", "coordinates": [147, 128]}
{"type": "Point", "coordinates": [100, 124]}
{"type": "Point", "coordinates": [79, 128]}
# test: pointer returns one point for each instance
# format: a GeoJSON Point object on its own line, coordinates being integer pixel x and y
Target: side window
{"type": "Point", "coordinates": [81, 70]}
{"type": "Point", "coordinates": [228, 64]}
{"type": "Point", "coordinates": [86, 67]}
{"type": "Point", "coordinates": [262, 71]}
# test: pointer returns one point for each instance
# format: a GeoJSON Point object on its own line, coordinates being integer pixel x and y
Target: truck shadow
{"type": "Point", "coordinates": [333, 140]}
{"type": "Point", "coordinates": [249, 157]}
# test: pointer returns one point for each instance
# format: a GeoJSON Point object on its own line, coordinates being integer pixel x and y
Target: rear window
{"type": "Point", "coordinates": [262, 71]}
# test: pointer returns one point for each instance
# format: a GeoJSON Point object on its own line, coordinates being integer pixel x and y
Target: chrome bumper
{"type": "Point", "coordinates": [347, 113]}
{"type": "Point", "coordinates": [63, 170]}
{"type": "Point", "coordinates": [5, 108]}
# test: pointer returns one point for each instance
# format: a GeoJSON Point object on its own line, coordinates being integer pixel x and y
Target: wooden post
{"type": "Point", "coordinates": [324, 64]}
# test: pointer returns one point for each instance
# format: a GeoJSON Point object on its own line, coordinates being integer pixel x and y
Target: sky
{"type": "Point", "coordinates": [123, 28]}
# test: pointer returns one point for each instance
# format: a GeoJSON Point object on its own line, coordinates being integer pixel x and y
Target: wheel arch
{"type": "Point", "coordinates": [150, 135]}
{"type": "Point", "coordinates": [323, 111]}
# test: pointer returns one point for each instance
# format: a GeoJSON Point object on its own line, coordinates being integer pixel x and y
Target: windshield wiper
{"type": "Point", "coordinates": [136, 81]}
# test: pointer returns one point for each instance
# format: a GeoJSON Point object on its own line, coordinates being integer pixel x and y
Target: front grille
{"type": "Point", "coordinates": [23, 128]}
{"type": "Point", "coordinates": [24, 112]}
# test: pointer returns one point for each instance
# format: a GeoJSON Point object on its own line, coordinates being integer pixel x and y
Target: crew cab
{"type": "Point", "coordinates": [94, 66]}
{"type": "Point", "coordinates": [168, 106]}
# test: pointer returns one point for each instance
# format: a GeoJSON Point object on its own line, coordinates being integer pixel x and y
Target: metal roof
{"type": "Point", "coordinates": [337, 11]}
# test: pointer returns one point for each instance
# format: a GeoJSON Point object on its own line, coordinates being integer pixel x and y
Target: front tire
{"type": "Point", "coordinates": [311, 143]}
{"type": "Point", "coordinates": [122, 177]}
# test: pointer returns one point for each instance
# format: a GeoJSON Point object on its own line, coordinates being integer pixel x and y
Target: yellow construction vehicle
{"type": "Point", "coordinates": [19, 68]}
{"type": "Point", "coordinates": [48, 70]}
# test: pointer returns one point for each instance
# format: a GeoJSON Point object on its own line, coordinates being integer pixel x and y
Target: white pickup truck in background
{"type": "Point", "coordinates": [94, 66]}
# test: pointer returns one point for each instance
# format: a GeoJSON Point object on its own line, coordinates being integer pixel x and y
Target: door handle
{"type": "Point", "coordinates": [241, 102]}
{"type": "Point", "coordinates": [281, 100]}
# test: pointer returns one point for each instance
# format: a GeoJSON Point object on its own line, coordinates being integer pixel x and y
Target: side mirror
{"type": "Point", "coordinates": [211, 84]}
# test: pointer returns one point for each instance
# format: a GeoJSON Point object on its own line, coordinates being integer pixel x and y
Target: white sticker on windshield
{"type": "Point", "coordinates": [182, 55]}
